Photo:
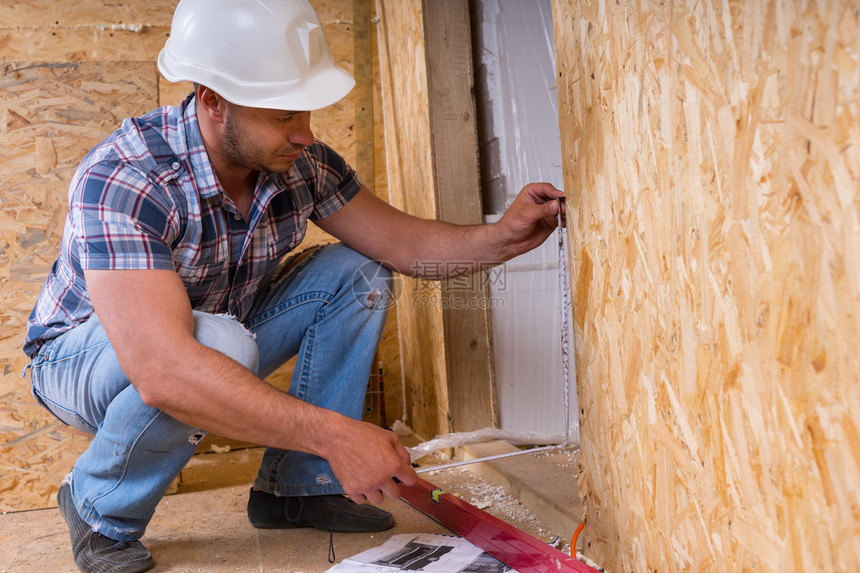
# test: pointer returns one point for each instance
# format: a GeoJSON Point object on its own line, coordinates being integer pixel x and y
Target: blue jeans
{"type": "Point", "coordinates": [328, 307]}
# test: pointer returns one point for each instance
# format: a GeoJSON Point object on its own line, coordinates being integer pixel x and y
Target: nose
{"type": "Point", "coordinates": [301, 132]}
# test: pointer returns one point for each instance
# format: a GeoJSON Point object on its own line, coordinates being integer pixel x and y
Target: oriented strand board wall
{"type": "Point", "coordinates": [50, 114]}
{"type": "Point", "coordinates": [71, 71]}
{"type": "Point", "coordinates": [712, 163]}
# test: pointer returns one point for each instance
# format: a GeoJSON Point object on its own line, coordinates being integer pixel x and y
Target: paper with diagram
{"type": "Point", "coordinates": [428, 553]}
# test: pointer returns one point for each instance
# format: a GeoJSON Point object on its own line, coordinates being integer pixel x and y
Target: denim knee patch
{"type": "Point", "coordinates": [228, 336]}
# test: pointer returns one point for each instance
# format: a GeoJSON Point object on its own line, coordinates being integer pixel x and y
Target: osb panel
{"type": "Point", "coordinates": [82, 44]}
{"type": "Point", "coordinates": [170, 93]}
{"type": "Point", "coordinates": [410, 174]}
{"type": "Point", "coordinates": [335, 124]}
{"type": "Point", "coordinates": [48, 31]}
{"type": "Point", "coordinates": [50, 115]}
{"type": "Point", "coordinates": [85, 13]}
{"type": "Point", "coordinates": [712, 164]}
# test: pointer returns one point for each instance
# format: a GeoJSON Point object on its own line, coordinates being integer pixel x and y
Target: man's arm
{"type": "Point", "coordinates": [147, 316]}
{"type": "Point", "coordinates": [403, 242]}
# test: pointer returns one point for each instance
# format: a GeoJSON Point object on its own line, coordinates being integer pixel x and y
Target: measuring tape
{"type": "Point", "coordinates": [564, 287]}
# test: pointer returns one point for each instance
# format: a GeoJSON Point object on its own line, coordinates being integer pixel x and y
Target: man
{"type": "Point", "coordinates": [169, 304]}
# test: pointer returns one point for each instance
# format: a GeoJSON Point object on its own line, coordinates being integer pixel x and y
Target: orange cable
{"type": "Point", "coordinates": [575, 537]}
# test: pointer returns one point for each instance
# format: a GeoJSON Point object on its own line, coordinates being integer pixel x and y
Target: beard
{"type": "Point", "coordinates": [241, 150]}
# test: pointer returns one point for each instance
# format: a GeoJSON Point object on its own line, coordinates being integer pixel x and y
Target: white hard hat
{"type": "Point", "coordinates": [256, 53]}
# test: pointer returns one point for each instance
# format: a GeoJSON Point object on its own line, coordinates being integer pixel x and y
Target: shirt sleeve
{"type": "Point", "coordinates": [120, 220]}
{"type": "Point", "coordinates": [335, 181]}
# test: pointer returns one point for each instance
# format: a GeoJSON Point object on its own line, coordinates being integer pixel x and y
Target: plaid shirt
{"type": "Point", "coordinates": [147, 198]}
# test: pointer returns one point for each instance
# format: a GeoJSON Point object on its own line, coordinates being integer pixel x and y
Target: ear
{"type": "Point", "coordinates": [211, 104]}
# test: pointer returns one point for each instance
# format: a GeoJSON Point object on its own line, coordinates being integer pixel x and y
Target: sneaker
{"type": "Point", "coordinates": [95, 553]}
{"type": "Point", "coordinates": [335, 513]}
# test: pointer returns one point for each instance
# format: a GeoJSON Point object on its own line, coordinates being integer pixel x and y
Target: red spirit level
{"type": "Point", "coordinates": [503, 541]}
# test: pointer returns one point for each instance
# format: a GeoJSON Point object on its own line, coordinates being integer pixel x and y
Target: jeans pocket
{"type": "Point", "coordinates": [65, 415]}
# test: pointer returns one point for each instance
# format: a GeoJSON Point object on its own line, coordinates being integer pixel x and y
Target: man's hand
{"type": "Point", "coordinates": [530, 219]}
{"type": "Point", "coordinates": [366, 459]}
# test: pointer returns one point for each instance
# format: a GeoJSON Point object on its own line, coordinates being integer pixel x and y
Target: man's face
{"type": "Point", "coordinates": [265, 139]}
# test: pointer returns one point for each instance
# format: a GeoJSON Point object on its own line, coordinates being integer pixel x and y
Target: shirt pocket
{"type": "Point", "coordinates": [201, 281]}
{"type": "Point", "coordinates": [283, 246]}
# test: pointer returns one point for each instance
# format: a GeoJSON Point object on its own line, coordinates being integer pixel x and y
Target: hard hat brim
{"type": "Point", "coordinates": [321, 89]}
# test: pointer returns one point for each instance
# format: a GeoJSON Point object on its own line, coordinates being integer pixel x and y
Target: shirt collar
{"type": "Point", "coordinates": [268, 184]}
{"type": "Point", "coordinates": [204, 174]}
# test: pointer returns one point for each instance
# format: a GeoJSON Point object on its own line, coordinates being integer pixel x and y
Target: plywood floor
{"type": "Point", "coordinates": [204, 528]}
{"type": "Point", "coordinates": [204, 531]}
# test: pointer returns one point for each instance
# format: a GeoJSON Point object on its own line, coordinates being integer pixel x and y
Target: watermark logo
{"type": "Point", "coordinates": [373, 286]}
{"type": "Point", "coordinates": [462, 275]}
{"type": "Point", "coordinates": [449, 301]}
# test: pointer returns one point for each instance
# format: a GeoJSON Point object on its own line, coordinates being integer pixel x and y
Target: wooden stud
{"type": "Point", "coordinates": [432, 161]}
{"type": "Point", "coordinates": [453, 128]}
